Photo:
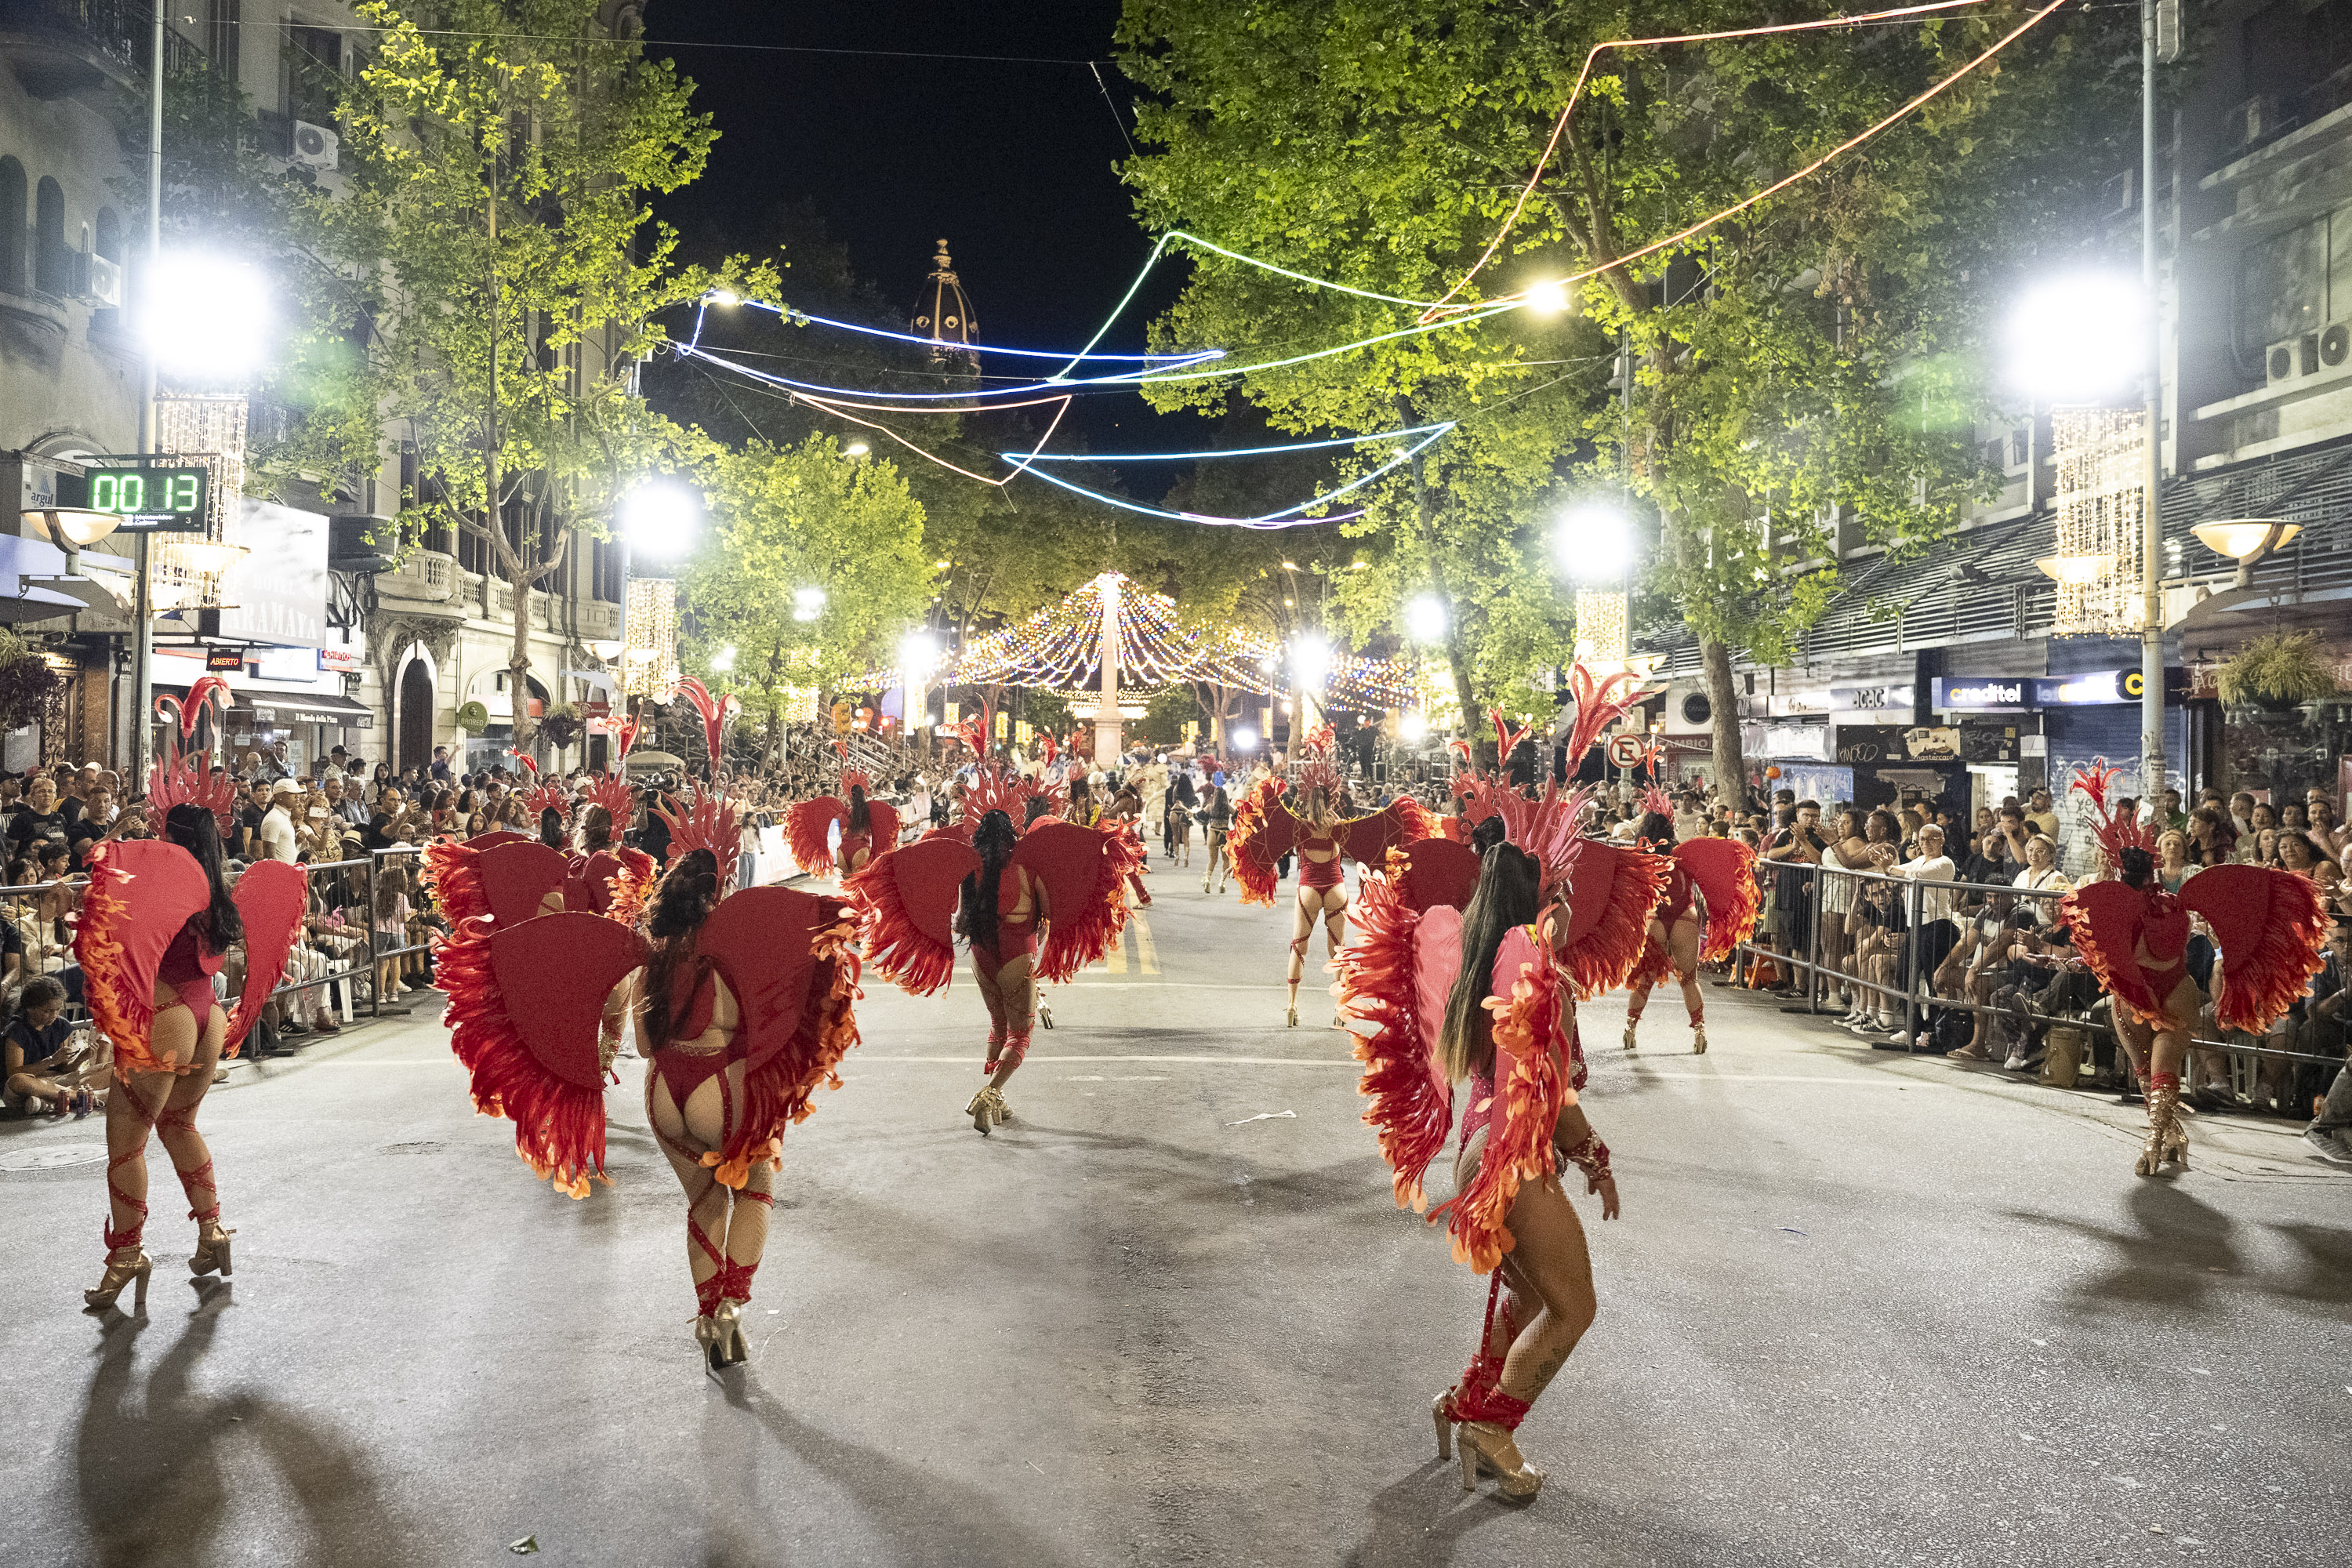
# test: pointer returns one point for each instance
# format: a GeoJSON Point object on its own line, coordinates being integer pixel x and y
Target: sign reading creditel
{"type": "Point", "coordinates": [2023, 693]}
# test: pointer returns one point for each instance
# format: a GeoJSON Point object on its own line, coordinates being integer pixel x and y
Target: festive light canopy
{"type": "Point", "coordinates": [1059, 648]}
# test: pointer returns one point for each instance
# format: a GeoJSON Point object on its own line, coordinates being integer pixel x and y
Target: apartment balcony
{"type": "Point", "coordinates": [422, 577]}
{"type": "Point", "coordinates": [62, 48]}
{"type": "Point", "coordinates": [2302, 168]}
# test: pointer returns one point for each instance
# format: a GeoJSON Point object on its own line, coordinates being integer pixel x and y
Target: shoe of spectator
{"type": "Point", "coordinates": [1927, 1039]}
{"type": "Point", "coordinates": [2329, 1144]}
{"type": "Point", "coordinates": [2015, 1063]}
{"type": "Point", "coordinates": [291, 1027]}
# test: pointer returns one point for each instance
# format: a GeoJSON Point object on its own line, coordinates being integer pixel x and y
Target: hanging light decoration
{"type": "Point", "coordinates": [649, 639]}
{"type": "Point", "coordinates": [1600, 630]}
{"type": "Point", "coordinates": [2101, 455]}
{"type": "Point", "coordinates": [184, 570]}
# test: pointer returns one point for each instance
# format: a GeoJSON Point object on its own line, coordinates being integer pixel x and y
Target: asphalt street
{"type": "Point", "coordinates": [1861, 1308]}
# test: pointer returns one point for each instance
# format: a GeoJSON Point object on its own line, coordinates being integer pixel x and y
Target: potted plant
{"type": "Point", "coordinates": [2277, 670]}
{"type": "Point", "coordinates": [561, 726]}
{"type": "Point", "coordinates": [26, 683]}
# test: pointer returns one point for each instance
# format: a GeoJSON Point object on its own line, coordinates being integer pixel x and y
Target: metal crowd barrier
{"type": "Point", "coordinates": [1968, 898]}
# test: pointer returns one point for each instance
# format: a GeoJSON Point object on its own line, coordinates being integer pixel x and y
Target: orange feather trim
{"type": "Point", "coordinates": [1376, 987]}
{"type": "Point", "coordinates": [112, 993]}
{"type": "Point", "coordinates": [558, 1126]}
{"type": "Point", "coordinates": [1073, 940]}
{"type": "Point", "coordinates": [777, 1096]}
{"type": "Point", "coordinates": [1653, 968]}
{"type": "Point", "coordinates": [1530, 1094]}
{"type": "Point", "coordinates": [2121, 978]}
{"type": "Point", "coordinates": [633, 887]}
{"type": "Point", "coordinates": [1726, 929]}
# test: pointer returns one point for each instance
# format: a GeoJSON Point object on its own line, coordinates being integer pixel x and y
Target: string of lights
{"type": "Point", "coordinates": [1232, 451]}
{"type": "Point", "coordinates": [795, 313]}
{"type": "Point", "coordinates": [1289, 516]}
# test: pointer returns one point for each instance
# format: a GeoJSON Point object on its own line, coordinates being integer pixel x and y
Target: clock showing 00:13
{"type": "Point", "coordinates": [148, 492]}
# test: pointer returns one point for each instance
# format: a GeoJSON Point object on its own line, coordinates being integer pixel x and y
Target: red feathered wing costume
{"type": "Point", "coordinates": [2271, 926]}
{"type": "Point", "coordinates": [906, 902]}
{"type": "Point", "coordinates": [808, 831]}
{"type": "Point", "coordinates": [1723, 872]}
{"type": "Point", "coordinates": [141, 893]}
{"type": "Point", "coordinates": [452, 873]}
{"type": "Point", "coordinates": [525, 1002]}
{"type": "Point", "coordinates": [1265, 829]}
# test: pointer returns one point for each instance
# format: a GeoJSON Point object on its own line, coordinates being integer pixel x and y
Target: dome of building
{"type": "Point", "coordinates": [944, 315]}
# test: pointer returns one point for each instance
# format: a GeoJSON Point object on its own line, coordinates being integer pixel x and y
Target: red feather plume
{"type": "Point", "coordinates": [191, 780]}
{"type": "Point", "coordinates": [708, 822]}
{"type": "Point", "coordinates": [1598, 704]}
{"type": "Point", "coordinates": [2096, 784]}
{"type": "Point", "coordinates": [714, 713]}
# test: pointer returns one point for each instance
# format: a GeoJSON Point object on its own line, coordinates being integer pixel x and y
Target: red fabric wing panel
{"type": "Point", "coordinates": [1369, 839]}
{"type": "Point", "coordinates": [883, 818]}
{"type": "Point", "coordinates": [786, 955]}
{"type": "Point", "coordinates": [2272, 929]}
{"type": "Point", "coordinates": [906, 904]}
{"type": "Point", "coordinates": [1438, 871]}
{"type": "Point", "coordinates": [1725, 870]}
{"type": "Point", "coordinates": [2104, 917]}
{"type": "Point", "coordinates": [516, 878]}
{"type": "Point", "coordinates": [140, 892]}
{"type": "Point", "coordinates": [1611, 894]}
{"type": "Point", "coordinates": [272, 896]}
{"type": "Point", "coordinates": [1084, 872]}
{"type": "Point", "coordinates": [808, 829]}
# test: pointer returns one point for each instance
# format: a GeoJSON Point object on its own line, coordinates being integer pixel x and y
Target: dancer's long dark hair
{"type": "Point", "coordinates": [2137, 866]}
{"type": "Point", "coordinates": [1487, 832]}
{"type": "Point", "coordinates": [860, 819]}
{"type": "Point", "coordinates": [1039, 805]}
{"type": "Point", "coordinates": [195, 829]}
{"type": "Point", "coordinates": [688, 894]}
{"type": "Point", "coordinates": [1509, 894]}
{"type": "Point", "coordinates": [550, 829]}
{"type": "Point", "coordinates": [1657, 830]}
{"type": "Point", "coordinates": [595, 828]}
{"type": "Point", "coordinates": [995, 839]}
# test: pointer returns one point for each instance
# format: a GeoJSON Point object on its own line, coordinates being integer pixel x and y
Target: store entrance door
{"type": "Point", "coordinates": [416, 717]}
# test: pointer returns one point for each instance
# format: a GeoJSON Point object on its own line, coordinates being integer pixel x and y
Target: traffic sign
{"type": "Point", "coordinates": [1625, 751]}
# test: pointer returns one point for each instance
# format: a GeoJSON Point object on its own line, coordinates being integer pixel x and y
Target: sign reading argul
{"type": "Point", "coordinates": [2026, 693]}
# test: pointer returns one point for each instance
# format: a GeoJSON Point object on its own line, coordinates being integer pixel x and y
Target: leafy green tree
{"type": "Point", "coordinates": [1807, 368]}
{"type": "Point", "coordinates": [497, 156]}
{"type": "Point", "coordinates": [787, 519]}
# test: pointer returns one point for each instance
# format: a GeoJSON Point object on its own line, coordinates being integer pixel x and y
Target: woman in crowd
{"type": "Point", "coordinates": [37, 1059]}
{"type": "Point", "coordinates": [156, 1004]}
{"type": "Point", "coordinates": [2041, 875]}
{"type": "Point", "coordinates": [1875, 928]}
{"type": "Point", "coordinates": [1216, 822]}
{"type": "Point", "coordinates": [391, 911]}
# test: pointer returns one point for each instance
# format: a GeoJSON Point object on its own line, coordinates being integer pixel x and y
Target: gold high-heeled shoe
{"type": "Point", "coordinates": [1698, 1040]}
{"type": "Point", "coordinates": [1490, 1448]}
{"type": "Point", "coordinates": [726, 1335]}
{"type": "Point", "coordinates": [121, 1271]}
{"type": "Point", "coordinates": [2167, 1143]}
{"type": "Point", "coordinates": [1292, 1021]}
{"type": "Point", "coordinates": [1630, 1026]}
{"type": "Point", "coordinates": [211, 1248]}
{"type": "Point", "coordinates": [985, 1109]}
{"type": "Point", "coordinates": [1441, 1410]}
{"type": "Point", "coordinates": [706, 1334]}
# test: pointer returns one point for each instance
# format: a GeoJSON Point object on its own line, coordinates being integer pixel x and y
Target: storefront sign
{"type": "Point", "coordinates": [2026, 693]}
{"type": "Point", "coordinates": [277, 593]}
{"type": "Point", "coordinates": [225, 658]}
{"type": "Point", "coordinates": [339, 660]}
{"type": "Point", "coordinates": [1895, 697]}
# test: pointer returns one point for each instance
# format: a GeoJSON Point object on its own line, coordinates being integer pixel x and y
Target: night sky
{"type": "Point", "coordinates": [1012, 162]}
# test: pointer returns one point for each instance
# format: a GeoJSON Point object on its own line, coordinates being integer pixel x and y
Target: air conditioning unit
{"type": "Point", "coordinates": [315, 145]}
{"type": "Point", "coordinates": [2290, 359]}
{"type": "Point", "coordinates": [2249, 123]}
{"type": "Point", "coordinates": [2336, 344]}
{"type": "Point", "coordinates": [97, 280]}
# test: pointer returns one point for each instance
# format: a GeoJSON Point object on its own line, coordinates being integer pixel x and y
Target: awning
{"type": "Point", "coordinates": [282, 707]}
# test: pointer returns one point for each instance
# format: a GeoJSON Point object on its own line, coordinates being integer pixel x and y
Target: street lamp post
{"type": "Point", "coordinates": [2151, 652]}
{"type": "Point", "coordinates": [142, 609]}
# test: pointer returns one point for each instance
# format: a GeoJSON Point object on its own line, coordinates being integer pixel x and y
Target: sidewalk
{"type": "Point", "coordinates": [2234, 1145]}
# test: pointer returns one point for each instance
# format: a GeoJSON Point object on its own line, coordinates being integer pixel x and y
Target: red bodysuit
{"type": "Point", "coordinates": [588, 881]}
{"type": "Point", "coordinates": [852, 844]}
{"type": "Point", "coordinates": [2164, 931]}
{"type": "Point", "coordinates": [684, 1071]}
{"type": "Point", "coordinates": [187, 971]}
{"type": "Point", "coordinates": [1677, 904]}
{"type": "Point", "coordinates": [1321, 874]}
{"type": "Point", "coordinates": [1015, 938]}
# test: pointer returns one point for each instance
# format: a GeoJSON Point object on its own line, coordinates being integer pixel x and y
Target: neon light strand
{"type": "Point", "coordinates": [1229, 451]}
{"type": "Point", "coordinates": [1121, 381]}
{"type": "Point", "coordinates": [1705, 224]}
{"type": "Point", "coordinates": [793, 312]}
{"type": "Point", "coordinates": [1286, 518]}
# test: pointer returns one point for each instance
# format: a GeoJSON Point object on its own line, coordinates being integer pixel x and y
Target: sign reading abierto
{"type": "Point", "coordinates": [149, 499]}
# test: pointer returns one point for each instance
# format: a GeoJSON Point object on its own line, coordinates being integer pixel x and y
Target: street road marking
{"type": "Point", "coordinates": [1165, 985]}
{"type": "Point", "coordinates": [1115, 961]}
{"type": "Point", "coordinates": [1146, 954]}
{"type": "Point", "coordinates": [965, 1061]}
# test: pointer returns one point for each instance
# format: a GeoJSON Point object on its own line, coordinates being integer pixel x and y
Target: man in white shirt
{"type": "Point", "coordinates": [1689, 820]}
{"type": "Point", "coordinates": [1935, 933]}
{"type": "Point", "coordinates": [278, 823]}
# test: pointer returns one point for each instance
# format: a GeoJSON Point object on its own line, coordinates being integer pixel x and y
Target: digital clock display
{"type": "Point", "coordinates": [148, 492]}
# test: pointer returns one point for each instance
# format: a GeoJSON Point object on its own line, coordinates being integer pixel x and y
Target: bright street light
{"type": "Point", "coordinates": [724, 659]}
{"type": "Point", "coordinates": [918, 650]}
{"type": "Point", "coordinates": [723, 297]}
{"type": "Point", "coordinates": [1595, 543]}
{"type": "Point", "coordinates": [855, 449]}
{"type": "Point", "coordinates": [808, 603]}
{"type": "Point", "coordinates": [1424, 619]}
{"type": "Point", "coordinates": [1246, 738]}
{"type": "Point", "coordinates": [1549, 299]}
{"type": "Point", "coordinates": [1310, 660]}
{"type": "Point", "coordinates": [660, 517]}
{"type": "Point", "coordinates": [2082, 338]}
{"type": "Point", "coordinates": [207, 317]}
{"type": "Point", "coordinates": [1412, 728]}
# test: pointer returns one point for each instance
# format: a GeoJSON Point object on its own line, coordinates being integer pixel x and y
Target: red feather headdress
{"type": "Point", "coordinates": [192, 781]}
{"type": "Point", "coordinates": [1316, 769]}
{"type": "Point", "coordinates": [1598, 704]}
{"type": "Point", "coordinates": [620, 801]}
{"type": "Point", "coordinates": [706, 823]}
{"type": "Point", "coordinates": [974, 731]}
{"type": "Point", "coordinates": [2096, 784]}
{"type": "Point", "coordinates": [625, 731]}
{"type": "Point", "coordinates": [1047, 743]}
{"type": "Point", "coordinates": [1546, 828]}
{"type": "Point", "coordinates": [1655, 799]}
{"type": "Point", "coordinates": [854, 778]}
{"type": "Point", "coordinates": [715, 713]}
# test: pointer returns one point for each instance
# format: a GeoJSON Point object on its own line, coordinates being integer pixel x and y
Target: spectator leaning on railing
{"type": "Point", "coordinates": [1934, 932]}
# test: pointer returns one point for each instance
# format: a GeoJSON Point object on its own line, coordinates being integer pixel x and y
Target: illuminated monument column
{"type": "Point", "coordinates": [1106, 737]}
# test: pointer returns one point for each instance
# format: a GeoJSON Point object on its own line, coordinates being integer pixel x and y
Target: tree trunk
{"type": "Point", "coordinates": [518, 664]}
{"type": "Point", "coordinates": [1722, 695]}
